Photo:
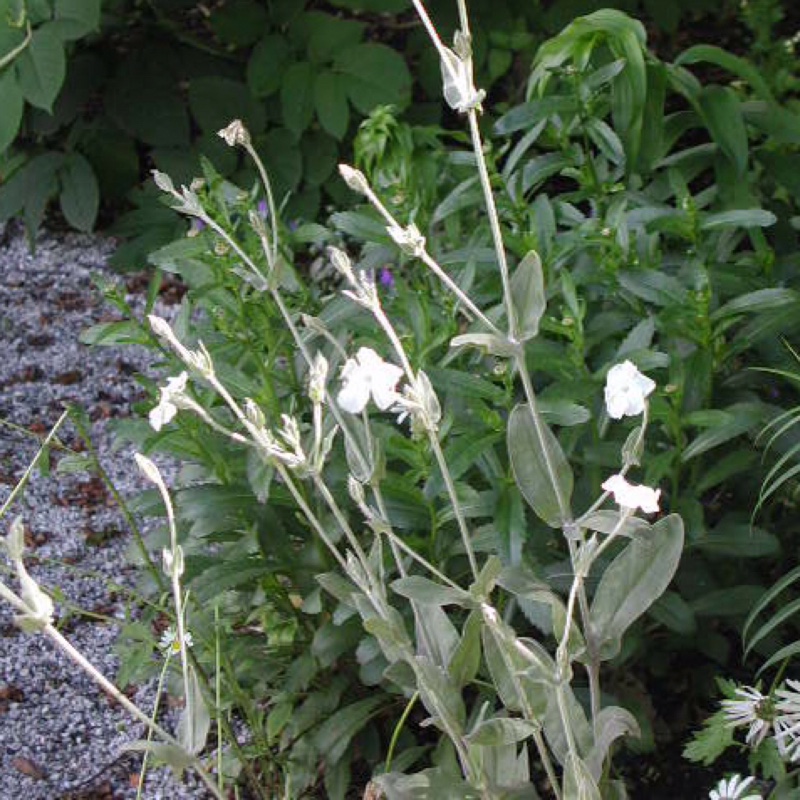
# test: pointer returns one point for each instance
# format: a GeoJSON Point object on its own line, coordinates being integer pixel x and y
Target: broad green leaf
{"type": "Point", "coordinates": [634, 580]}
{"type": "Point", "coordinates": [80, 194]}
{"type": "Point", "coordinates": [733, 601]}
{"type": "Point", "coordinates": [41, 68]}
{"type": "Point", "coordinates": [540, 467]}
{"type": "Point", "coordinates": [30, 189]}
{"type": "Point", "coordinates": [374, 74]}
{"type": "Point", "coordinates": [333, 737]}
{"type": "Point", "coordinates": [501, 730]}
{"type": "Point", "coordinates": [330, 104]}
{"type": "Point", "coordinates": [528, 296]}
{"type": "Point", "coordinates": [12, 104]}
{"type": "Point", "coordinates": [297, 100]}
{"type": "Point", "coordinates": [722, 113]}
{"type": "Point", "coordinates": [736, 539]}
{"type": "Point", "coordinates": [442, 700]}
{"type": "Point", "coordinates": [75, 18]}
{"type": "Point", "coordinates": [674, 613]}
{"type": "Point", "coordinates": [267, 65]}
{"type": "Point", "coordinates": [282, 158]}
{"type": "Point", "coordinates": [740, 418]}
{"type": "Point", "coordinates": [239, 23]}
{"type": "Point", "coordinates": [327, 35]}
{"type": "Point", "coordinates": [215, 101]}
{"type": "Point", "coordinates": [320, 155]}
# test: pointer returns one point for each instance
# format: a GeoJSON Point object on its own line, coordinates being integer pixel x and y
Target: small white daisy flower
{"type": "Point", "coordinates": [626, 390]}
{"type": "Point", "coordinates": [750, 709]}
{"type": "Point", "coordinates": [170, 643]}
{"type": "Point", "coordinates": [732, 789]}
{"type": "Point", "coordinates": [630, 495]}
{"type": "Point", "coordinates": [368, 375]}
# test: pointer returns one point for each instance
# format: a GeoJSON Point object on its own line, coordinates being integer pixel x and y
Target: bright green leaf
{"type": "Point", "coordinates": [41, 68]}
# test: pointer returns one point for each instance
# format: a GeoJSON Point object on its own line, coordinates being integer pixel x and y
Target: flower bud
{"type": "Point", "coordinates": [163, 181]}
{"type": "Point", "coordinates": [147, 468]}
{"type": "Point", "coordinates": [235, 134]}
{"type": "Point", "coordinates": [354, 178]}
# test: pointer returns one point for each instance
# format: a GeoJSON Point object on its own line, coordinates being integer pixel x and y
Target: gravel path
{"type": "Point", "coordinates": [60, 737]}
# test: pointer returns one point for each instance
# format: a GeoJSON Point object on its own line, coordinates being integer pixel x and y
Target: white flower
{"type": "Point", "coordinates": [459, 88]}
{"type": "Point", "coordinates": [169, 641]}
{"type": "Point", "coordinates": [787, 720]}
{"type": "Point", "coordinates": [626, 390]}
{"type": "Point", "coordinates": [733, 790]}
{"type": "Point", "coordinates": [368, 375]}
{"type": "Point", "coordinates": [630, 495]}
{"type": "Point", "coordinates": [166, 409]}
{"type": "Point", "coordinates": [751, 709]}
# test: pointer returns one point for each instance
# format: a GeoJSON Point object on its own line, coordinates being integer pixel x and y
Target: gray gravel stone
{"type": "Point", "coordinates": [60, 736]}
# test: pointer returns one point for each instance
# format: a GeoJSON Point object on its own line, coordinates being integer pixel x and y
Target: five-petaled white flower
{"type": "Point", "coordinates": [170, 643]}
{"type": "Point", "coordinates": [630, 495]}
{"type": "Point", "coordinates": [733, 790]}
{"type": "Point", "coordinates": [166, 409]}
{"type": "Point", "coordinates": [368, 375]}
{"type": "Point", "coordinates": [750, 709]}
{"type": "Point", "coordinates": [626, 390]}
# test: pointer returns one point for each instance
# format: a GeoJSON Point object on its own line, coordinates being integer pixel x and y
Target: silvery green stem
{"type": "Point", "coordinates": [153, 717]}
{"type": "Point", "coordinates": [384, 322]}
{"type": "Point", "coordinates": [322, 488]}
{"type": "Point", "coordinates": [494, 222]}
{"type": "Point", "coordinates": [273, 215]}
{"type": "Point", "coordinates": [177, 597]}
{"type": "Point", "coordinates": [623, 471]}
{"type": "Point", "coordinates": [432, 264]}
{"type": "Point", "coordinates": [78, 658]}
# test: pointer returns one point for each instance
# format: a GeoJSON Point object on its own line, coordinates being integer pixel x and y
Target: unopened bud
{"type": "Point", "coordinates": [354, 178]}
{"type": "Point", "coordinates": [163, 181]}
{"type": "Point", "coordinates": [147, 468]}
{"type": "Point", "coordinates": [235, 134]}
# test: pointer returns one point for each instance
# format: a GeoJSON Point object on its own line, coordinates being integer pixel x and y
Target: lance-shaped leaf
{"type": "Point", "coordinates": [578, 781]}
{"type": "Point", "coordinates": [527, 292]}
{"type": "Point", "coordinates": [195, 721]}
{"type": "Point", "coordinates": [580, 729]}
{"type": "Point", "coordinates": [442, 700]}
{"type": "Point", "coordinates": [636, 578]}
{"type": "Point", "coordinates": [501, 730]}
{"type": "Point", "coordinates": [540, 467]}
{"type": "Point", "coordinates": [611, 723]}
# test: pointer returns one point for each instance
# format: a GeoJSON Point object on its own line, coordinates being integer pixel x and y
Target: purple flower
{"type": "Point", "coordinates": [263, 209]}
{"type": "Point", "coordinates": [386, 278]}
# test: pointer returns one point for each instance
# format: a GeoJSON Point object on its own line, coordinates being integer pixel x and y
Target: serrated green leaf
{"type": "Point", "coordinates": [80, 194]}
{"type": "Point", "coordinates": [297, 97]}
{"type": "Point", "coordinates": [73, 19]}
{"type": "Point", "coordinates": [374, 74]}
{"type": "Point", "coordinates": [12, 103]}
{"type": "Point", "coordinates": [41, 68]}
{"type": "Point", "coordinates": [267, 64]}
{"type": "Point", "coordinates": [711, 742]}
{"type": "Point", "coordinates": [330, 104]}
